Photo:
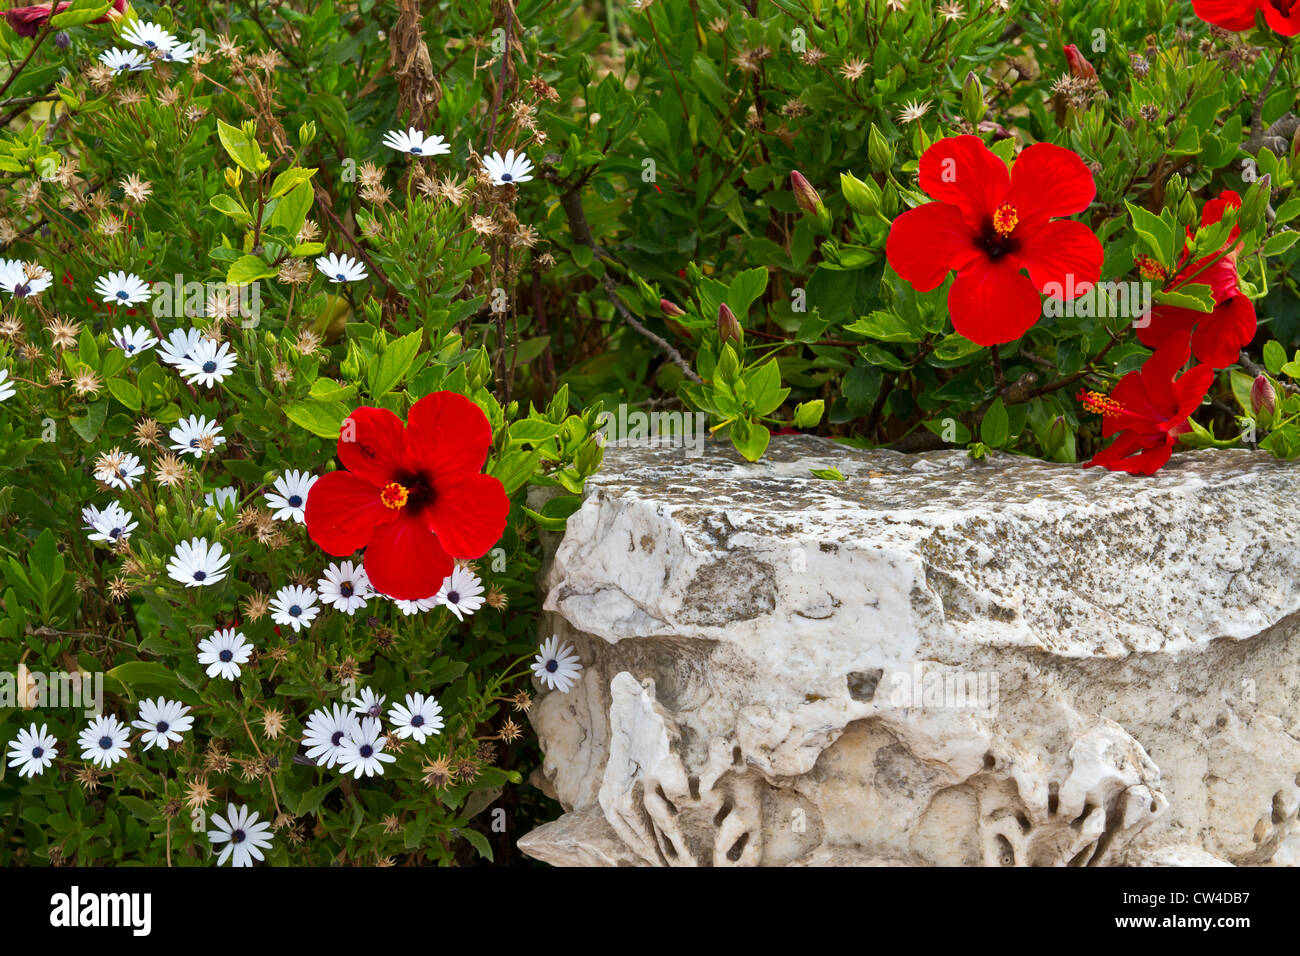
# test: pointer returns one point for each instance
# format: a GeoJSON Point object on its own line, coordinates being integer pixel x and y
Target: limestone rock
{"type": "Point", "coordinates": [935, 661]}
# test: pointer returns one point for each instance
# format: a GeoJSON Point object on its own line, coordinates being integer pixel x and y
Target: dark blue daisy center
{"type": "Point", "coordinates": [162, 727]}
{"type": "Point", "coordinates": [237, 836]}
{"type": "Point", "coordinates": [417, 721]}
{"type": "Point", "coordinates": [346, 589]}
{"type": "Point", "coordinates": [122, 294]}
{"type": "Point", "coordinates": [295, 610]}
{"type": "Point", "coordinates": [336, 738]}
{"type": "Point", "coordinates": [341, 277]}
{"type": "Point", "coordinates": [367, 751]}
{"type": "Point", "coordinates": [552, 665]}
{"type": "Point", "coordinates": [200, 575]}
{"type": "Point", "coordinates": [453, 597]}
{"type": "Point", "coordinates": [416, 150]}
{"type": "Point", "coordinates": [226, 656]}
{"type": "Point", "coordinates": [506, 177]}
{"type": "Point", "coordinates": [209, 366]}
{"type": "Point", "coordinates": [38, 753]}
{"type": "Point", "coordinates": [295, 501]}
{"type": "Point", "coordinates": [106, 742]}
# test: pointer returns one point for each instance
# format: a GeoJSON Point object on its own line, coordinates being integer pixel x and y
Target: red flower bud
{"type": "Point", "coordinates": [29, 21]}
{"type": "Point", "coordinates": [804, 194]}
{"type": "Point", "coordinates": [670, 309]}
{"type": "Point", "coordinates": [1079, 65]}
{"type": "Point", "coordinates": [728, 326]}
{"type": "Point", "coordinates": [1263, 397]}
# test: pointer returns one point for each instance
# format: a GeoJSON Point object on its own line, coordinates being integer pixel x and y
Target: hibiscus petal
{"type": "Point", "coordinates": [1063, 257]}
{"type": "Point", "coordinates": [1191, 388]}
{"type": "Point", "coordinates": [963, 171]}
{"type": "Point", "coordinates": [1221, 335]}
{"type": "Point", "coordinates": [1229, 14]}
{"type": "Point", "coordinates": [372, 444]}
{"type": "Point", "coordinates": [448, 434]}
{"type": "Point", "coordinates": [928, 242]}
{"type": "Point", "coordinates": [343, 511]}
{"type": "Point", "coordinates": [1287, 24]}
{"type": "Point", "coordinates": [1166, 322]}
{"type": "Point", "coordinates": [405, 561]}
{"type": "Point", "coordinates": [470, 516]}
{"type": "Point", "coordinates": [992, 303]}
{"type": "Point", "coordinates": [1048, 181]}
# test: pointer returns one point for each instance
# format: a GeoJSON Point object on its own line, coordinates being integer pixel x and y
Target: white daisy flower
{"type": "Point", "coordinates": [7, 390]}
{"type": "Point", "coordinates": [208, 363]}
{"type": "Point", "coordinates": [361, 752]}
{"type": "Point", "coordinates": [163, 721]}
{"type": "Point", "coordinates": [461, 591]}
{"type": "Point", "coordinates": [221, 498]}
{"type": "Point", "coordinates": [180, 53]}
{"type": "Point", "coordinates": [33, 750]}
{"type": "Point", "coordinates": [418, 606]}
{"type": "Point", "coordinates": [294, 607]}
{"type": "Point", "coordinates": [556, 665]}
{"type": "Point", "coordinates": [243, 833]}
{"type": "Point", "coordinates": [124, 61]}
{"type": "Point", "coordinates": [119, 470]}
{"type": "Point", "coordinates": [345, 587]}
{"type": "Point", "coordinates": [195, 564]}
{"type": "Point", "coordinates": [180, 345]}
{"type": "Point", "coordinates": [123, 288]}
{"type": "Point", "coordinates": [325, 732]}
{"type": "Point", "coordinates": [133, 341]}
{"type": "Point", "coordinates": [511, 168]}
{"type": "Point", "coordinates": [104, 741]}
{"type": "Point", "coordinates": [149, 35]}
{"type": "Point", "coordinates": [196, 436]}
{"type": "Point", "coordinates": [290, 496]}
{"type": "Point", "coordinates": [414, 141]}
{"type": "Point", "coordinates": [110, 525]}
{"type": "Point", "coordinates": [223, 652]}
{"type": "Point", "coordinates": [22, 281]}
{"type": "Point", "coordinates": [341, 268]}
{"type": "Point", "coordinates": [368, 703]}
{"type": "Point", "coordinates": [420, 718]}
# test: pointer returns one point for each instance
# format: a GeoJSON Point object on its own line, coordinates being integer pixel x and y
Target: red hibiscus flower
{"type": "Point", "coordinates": [28, 21]}
{"type": "Point", "coordinates": [988, 225]}
{"type": "Point", "coordinates": [1219, 336]}
{"type": "Point", "coordinates": [412, 496]}
{"type": "Point", "coordinates": [1148, 410]}
{"type": "Point", "coordinates": [1282, 16]}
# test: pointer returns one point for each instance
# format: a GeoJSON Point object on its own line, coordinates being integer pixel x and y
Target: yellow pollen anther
{"type": "Point", "coordinates": [1100, 404]}
{"type": "Point", "coordinates": [394, 495]}
{"type": "Point", "coordinates": [1005, 219]}
{"type": "Point", "coordinates": [1148, 268]}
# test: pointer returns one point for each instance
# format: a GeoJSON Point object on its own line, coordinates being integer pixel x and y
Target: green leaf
{"type": "Point", "coordinates": [885, 327]}
{"type": "Point", "coordinates": [765, 391]}
{"type": "Point", "coordinates": [1274, 356]}
{"type": "Point", "coordinates": [319, 418]}
{"type": "Point", "coordinates": [248, 269]}
{"type": "Point", "coordinates": [291, 210]}
{"type": "Point", "coordinates": [555, 513]}
{"type": "Point", "coordinates": [995, 428]}
{"type": "Point", "coordinates": [1156, 233]}
{"type": "Point", "coordinates": [79, 12]}
{"type": "Point", "coordinates": [88, 426]}
{"type": "Point", "coordinates": [1195, 296]}
{"type": "Point", "coordinates": [389, 367]}
{"type": "Point", "coordinates": [290, 179]}
{"type": "Point", "coordinates": [514, 468]}
{"type": "Point", "coordinates": [533, 431]}
{"type": "Point", "coordinates": [1280, 242]}
{"type": "Point", "coordinates": [126, 393]}
{"type": "Point", "coordinates": [828, 474]}
{"type": "Point", "coordinates": [750, 438]}
{"type": "Point", "coordinates": [228, 206]}
{"type": "Point", "coordinates": [242, 148]}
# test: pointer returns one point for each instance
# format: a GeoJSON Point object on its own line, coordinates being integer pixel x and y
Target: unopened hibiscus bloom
{"type": "Point", "coordinates": [1282, 16]}
{"type": "Point", "coordinates": [412, 496]}
{"type": "Point", "coordinates": [1219, 336]}
{"type": "Point", "coordinates": [988, 225]}
{"type": "Point", "coordinates": [29, 21]}
{"type": "Point", "coordinates": [1148, 410]}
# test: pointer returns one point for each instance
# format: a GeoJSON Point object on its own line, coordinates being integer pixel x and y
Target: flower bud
{"type": "Point", "coordinates": [670, 309]}
{"type": "Point", "coordinates": [879, 152]}
{"type": "Point", "coordinates": [972, 98]}
{"type": "Point", "coordinates": [862, 195]}
{"type": "Point", "coordinates": [1079, 65]}
{"type": "Point", "coordinates": [808, 199]}
{"type": "Point", "coordinates": [728, 327]}
{"type": "Point", "coordinates": [1263, 397]}
{"type": "Point", "coordinates": [234, 176]}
